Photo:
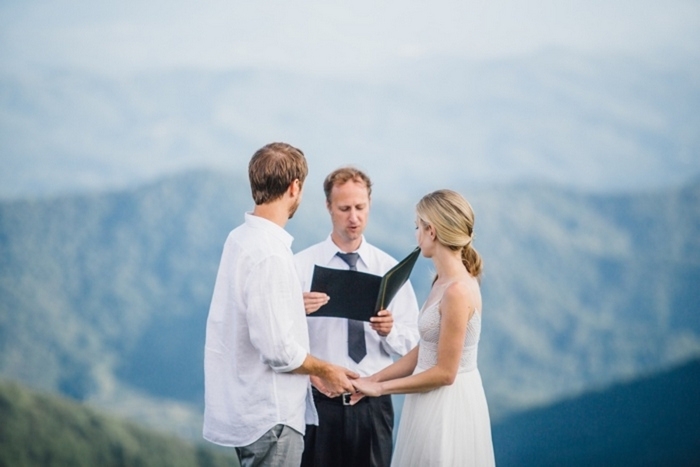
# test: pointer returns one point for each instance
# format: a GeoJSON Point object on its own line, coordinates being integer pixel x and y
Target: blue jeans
{"type": "Point", "coordinates": [280, 446]}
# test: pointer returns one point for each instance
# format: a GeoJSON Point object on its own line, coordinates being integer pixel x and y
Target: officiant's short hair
{"type": "Point", "coordinates": [343, 175]}
{"type": "Point", "coordinates": [273, 168]}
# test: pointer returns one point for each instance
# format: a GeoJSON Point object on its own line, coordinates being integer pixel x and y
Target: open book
{"type": "Point", "coordinates": [359, 295]}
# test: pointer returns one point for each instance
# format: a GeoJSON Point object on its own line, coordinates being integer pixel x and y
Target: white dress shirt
{"type": "Point", "coordinates": [256, 334]}
{"type": "Point", "coordinates": [329, 336]}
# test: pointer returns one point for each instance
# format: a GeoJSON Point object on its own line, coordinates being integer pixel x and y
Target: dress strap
{"type": "Point", "coordinates": [437, 302]}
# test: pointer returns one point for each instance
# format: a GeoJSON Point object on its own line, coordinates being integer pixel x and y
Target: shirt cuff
{"type": "Point", "coordinates": [296, 360]}
{"type": "Point", "coordinates": [393, 342]}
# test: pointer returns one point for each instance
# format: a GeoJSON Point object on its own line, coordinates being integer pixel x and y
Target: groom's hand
{"type": "Point", "coordinates": [336, 380]}
{"type": "Point", "coordinates": [320, 385]}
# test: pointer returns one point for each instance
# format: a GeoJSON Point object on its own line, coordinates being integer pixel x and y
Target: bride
{"type": "Point", "coordinates": [445, 419]}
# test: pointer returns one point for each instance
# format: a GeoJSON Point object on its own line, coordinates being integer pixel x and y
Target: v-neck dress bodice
{"type": "Point", "coordinates": [429, 329]}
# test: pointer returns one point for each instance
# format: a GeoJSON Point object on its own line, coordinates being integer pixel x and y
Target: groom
{"type": "Point", "coordinates": [256, 359]}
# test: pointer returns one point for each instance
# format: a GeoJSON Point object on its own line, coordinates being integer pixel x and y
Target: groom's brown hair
{"type": "Point", "coordinates": [273, 168]}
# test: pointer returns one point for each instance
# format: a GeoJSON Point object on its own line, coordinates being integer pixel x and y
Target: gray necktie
{"type": "Point", "coordinates": [357, 349]}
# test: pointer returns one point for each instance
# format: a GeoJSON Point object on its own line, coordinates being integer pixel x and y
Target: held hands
{"type": "Point", "coordinates": [335, 381]}
{"type": "Point", "coordinates": [313, 301]}
{"type": "Point", "coordinates": [320, 384]}
{"type": "Point", "coordinates": [343, 381]}
{"type": "Point", "coordinates": [382, 323]}
{"type": "Point", "coordinates": [366, 387]}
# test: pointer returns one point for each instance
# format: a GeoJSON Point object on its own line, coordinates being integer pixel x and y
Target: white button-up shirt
{"type": "Point", "coordinates": [329, 336]}
{"type": "Point", "coordinates": [256, 334]}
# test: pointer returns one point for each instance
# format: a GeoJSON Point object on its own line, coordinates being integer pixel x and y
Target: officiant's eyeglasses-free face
{"type": "Point", "coordinates": [349, 208]}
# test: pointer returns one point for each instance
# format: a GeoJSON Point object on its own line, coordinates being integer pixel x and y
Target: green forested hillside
{"type": "Point", "coordinates": [40, 429]}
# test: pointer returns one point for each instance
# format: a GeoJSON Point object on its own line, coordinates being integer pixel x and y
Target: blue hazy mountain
{"type": "Point", "coordinates": [104, 296]}
{"type": "Point", "coordinates": [649, 421]}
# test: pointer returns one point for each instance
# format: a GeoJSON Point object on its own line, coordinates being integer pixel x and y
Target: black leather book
{"type": "Point", "coordinates": [359, 295]}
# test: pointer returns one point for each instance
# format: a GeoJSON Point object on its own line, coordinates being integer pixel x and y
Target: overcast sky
{"type": "Point", "coordinates": [357, 37]}
{"type": "Point", "coordinates": [372, 41]}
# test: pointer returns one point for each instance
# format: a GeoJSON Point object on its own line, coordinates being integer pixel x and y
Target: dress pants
{"type": "Point", "coordinates": [350, 436]}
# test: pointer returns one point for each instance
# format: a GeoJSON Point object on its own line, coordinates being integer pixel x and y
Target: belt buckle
{"type": "Point", "coordinates": [346, 398]}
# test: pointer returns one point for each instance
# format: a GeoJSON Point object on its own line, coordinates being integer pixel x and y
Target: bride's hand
{"type": "Point", "coordinates": [367, 387]}
{"type": "Point", "coordinates": [355, 397]}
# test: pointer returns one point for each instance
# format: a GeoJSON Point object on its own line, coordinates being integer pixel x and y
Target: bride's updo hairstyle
{"type": "Point", "coordinates": [452, 217]}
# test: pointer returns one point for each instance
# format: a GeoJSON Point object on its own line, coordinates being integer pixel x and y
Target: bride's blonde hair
{"type": "Point", "coordinates": [452, 217]}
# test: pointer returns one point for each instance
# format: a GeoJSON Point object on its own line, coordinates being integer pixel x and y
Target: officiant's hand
{"type": "Point", "coordinates": [314, 300]}
{"type": "Point", "coordinates": [382, 323]}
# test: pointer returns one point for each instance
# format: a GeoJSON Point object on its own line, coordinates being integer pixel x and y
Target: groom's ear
{"type": "Point", "coordinates": [294, 189]}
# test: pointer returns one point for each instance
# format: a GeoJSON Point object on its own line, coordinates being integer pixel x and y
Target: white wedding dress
{"type": "Point", "coordinates": [448, 426]}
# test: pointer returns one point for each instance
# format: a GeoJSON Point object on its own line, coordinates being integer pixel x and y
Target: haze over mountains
{"type": "Point", "coordinates": [583, 173]}
{"type": "Point", "coordinates": [125, 130]}
{"type": "Point", "coordinates": [601, 123]}
{"type": "Point", "coordinates": [104, 297]}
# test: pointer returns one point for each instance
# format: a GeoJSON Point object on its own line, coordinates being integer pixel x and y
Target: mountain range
{"type": "Point", "coordinates": [117, 190]}
{"type": "Point", "coordinates": [104, 296]}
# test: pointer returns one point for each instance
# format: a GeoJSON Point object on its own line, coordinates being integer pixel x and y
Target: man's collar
{"type": "Point", "coordinates": [330, 249]}
{"type": "Point", "coordinates": [258, 222]}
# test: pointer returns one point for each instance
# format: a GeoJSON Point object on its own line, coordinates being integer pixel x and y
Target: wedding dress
{"type": "Point", "coordinates": [450, 425]}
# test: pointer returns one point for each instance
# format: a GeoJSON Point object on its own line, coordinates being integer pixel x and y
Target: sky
{"type": "Point", "coordinates": [367, 42]}
{"type": "Point", "coordinates": [342, 38]}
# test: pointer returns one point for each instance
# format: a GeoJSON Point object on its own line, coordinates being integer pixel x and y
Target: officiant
{"type": "Point", "coordinates": [359, 434]}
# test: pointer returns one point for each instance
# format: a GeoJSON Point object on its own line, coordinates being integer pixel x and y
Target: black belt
{"type": "Point", "coordinates": [343, 399]}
